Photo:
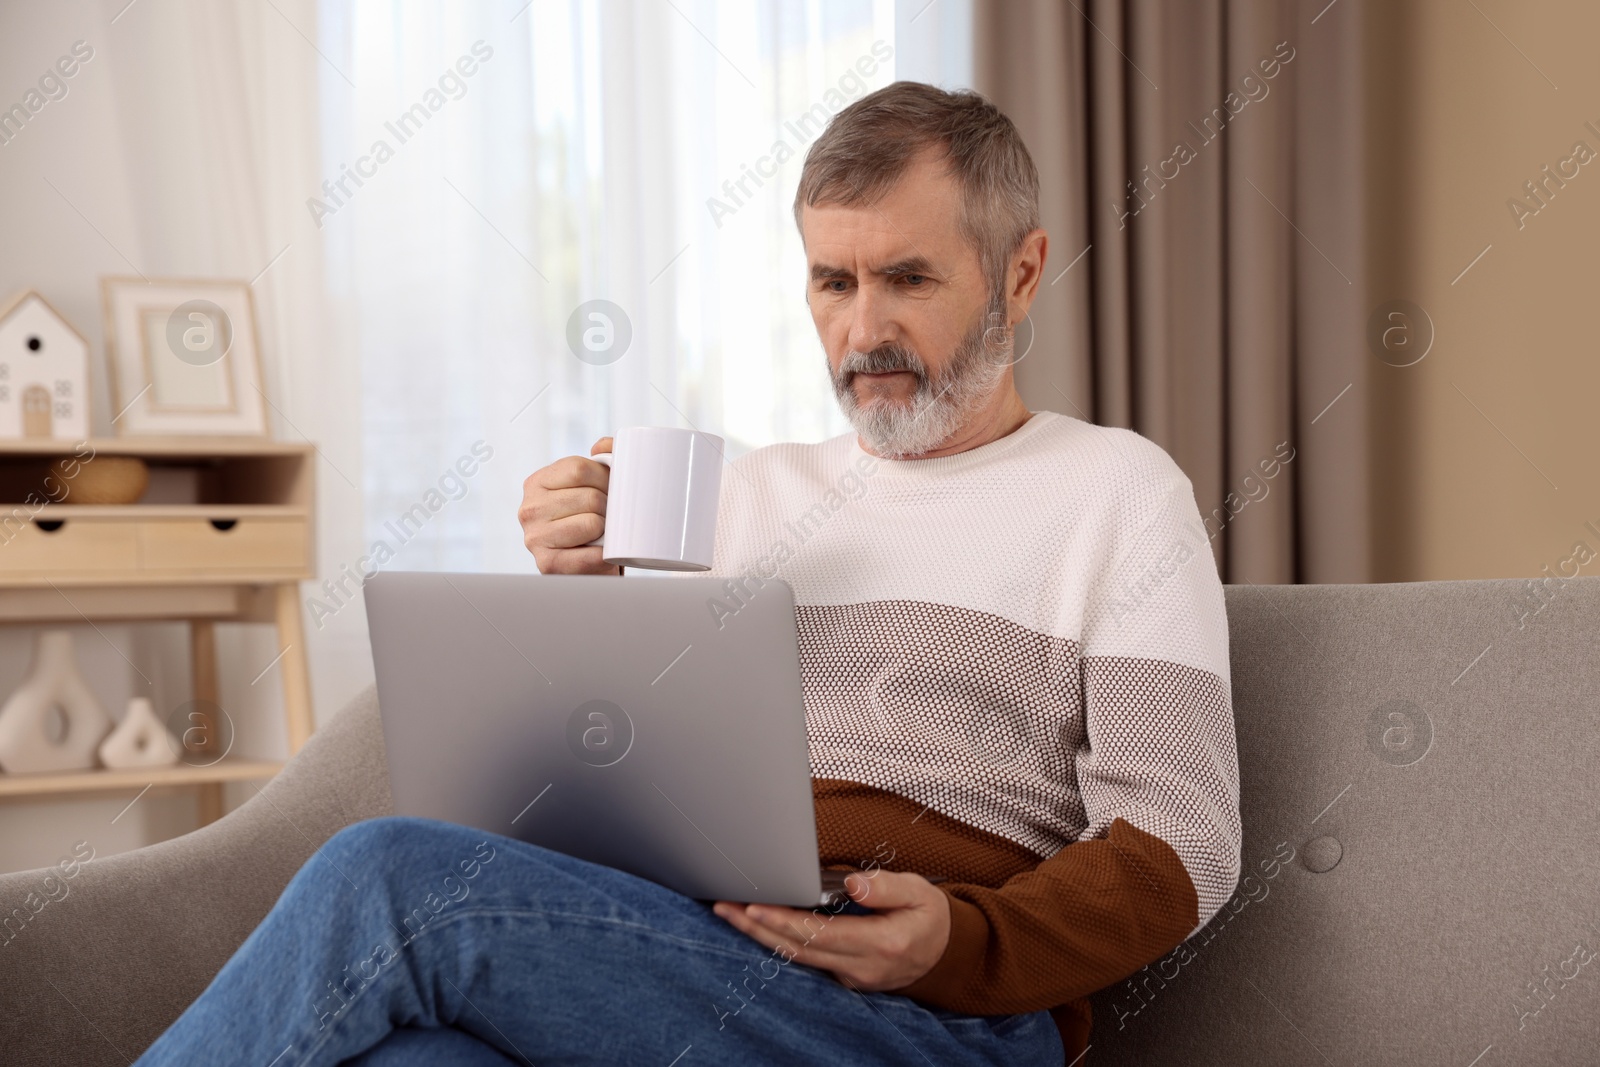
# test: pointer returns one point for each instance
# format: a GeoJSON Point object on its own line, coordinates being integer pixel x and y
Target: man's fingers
{"type": "Point", "coordinates": [818, 940]}
{"type": "Point", "coordinates": [563, 509]}
{"type": "Point", "coordinates": [890, 949]}
{"type": "Point", "coordinates": [575, 561]}
{"type": "Point", "coordinates": [602, 445]}
{"type": "Point", "coordinates": [761, 933]}
{"type": "Point", "coordinates": [861, 951]}
{"type": "Point", "coordinates": [557, 504]}
{"type": "Point", "coordinates": [573, 531]}
{"type": "Point", "coordinates": [570, 472]}
{"type": "Point", "coordinates": [882, 889]}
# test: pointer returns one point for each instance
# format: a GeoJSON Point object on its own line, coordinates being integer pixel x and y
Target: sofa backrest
{"type": "Point", "coordinates": [1421, 883]}
{"type": "Point", "coordinates": [1420, 879]}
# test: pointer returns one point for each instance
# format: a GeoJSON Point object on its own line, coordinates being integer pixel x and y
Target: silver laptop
{"type": "Point", "coordinates": [610, 719]}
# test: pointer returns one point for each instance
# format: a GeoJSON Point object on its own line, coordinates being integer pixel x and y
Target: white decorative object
{"type": "Point", "coordinates": [140, 739]}
{"type": "Point", "coordinates": [53, 683]}
{"type": "Point", "coordinates": [44, 372]}
{"type": "Point", "coordinates": [184, 357]}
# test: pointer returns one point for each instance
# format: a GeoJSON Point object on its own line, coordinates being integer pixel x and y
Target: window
{"type": "Point", "coordinates": [493, 173]}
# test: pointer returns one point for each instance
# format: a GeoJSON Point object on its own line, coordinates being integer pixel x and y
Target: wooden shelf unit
{"type": "Point", "coordinates": [105, 779]}
{"type": "Point", "coordinates": [227, 535]}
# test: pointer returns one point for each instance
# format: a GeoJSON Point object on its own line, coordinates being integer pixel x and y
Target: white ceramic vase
{"type": "Point", "coordinates": [53, 681]}
{"type": "Point", "coordinates": [140, 739]}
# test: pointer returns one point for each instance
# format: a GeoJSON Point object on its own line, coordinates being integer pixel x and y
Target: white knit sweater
{"type": "Point", "coordinates": [1027, 637]}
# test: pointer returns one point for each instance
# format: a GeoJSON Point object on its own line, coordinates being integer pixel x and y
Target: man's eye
{"type": "Point", "coordinates": [834, 282]}
{"type": "Point", "coordinates": [915, 280]}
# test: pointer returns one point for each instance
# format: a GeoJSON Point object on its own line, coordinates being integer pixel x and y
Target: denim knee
{"type": "Point", "coordinates": [372, 860]}
{"type": "Point", "coordinates": [364, 847]}
{"type": "Point", "coordinates": [390, 843]}
{"type": "Point", "coordinates": [379, 834]}
{"type": "Point", "coordinates": [392, 835]}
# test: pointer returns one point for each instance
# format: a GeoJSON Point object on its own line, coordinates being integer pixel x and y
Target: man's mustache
{"type": "Point", "coordinates": [885, 359]}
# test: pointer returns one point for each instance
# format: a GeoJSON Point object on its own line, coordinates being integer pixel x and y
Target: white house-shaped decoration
{"type": "Point", "coordinates": [44, 372]}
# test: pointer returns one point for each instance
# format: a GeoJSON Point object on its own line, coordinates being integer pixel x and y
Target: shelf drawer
{"type": "Point", "coordinates": [72, 547]}
{"type": "Point", "coordinates": [248, 545]}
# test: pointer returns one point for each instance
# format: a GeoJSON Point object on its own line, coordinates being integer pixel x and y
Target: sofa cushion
{"type": "Point", "coordinates": [1417, 778]}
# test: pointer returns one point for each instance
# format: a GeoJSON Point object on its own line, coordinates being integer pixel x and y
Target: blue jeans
{"type": "Point", "coordinates": [415, 941]}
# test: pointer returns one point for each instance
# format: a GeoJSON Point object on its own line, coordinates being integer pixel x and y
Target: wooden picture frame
{"type": "Point", "coordinates": [184, 357]}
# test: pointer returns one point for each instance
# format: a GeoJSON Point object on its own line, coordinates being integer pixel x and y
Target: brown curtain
{"type": "Point", "coordinates": [1216, 306]}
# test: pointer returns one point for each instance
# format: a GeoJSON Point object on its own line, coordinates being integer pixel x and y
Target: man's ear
{"type": "Point", "coordinates": [1024, 272]}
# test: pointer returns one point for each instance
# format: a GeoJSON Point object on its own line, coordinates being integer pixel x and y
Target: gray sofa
{"type": "Point", "coordinates": [1421, 883]}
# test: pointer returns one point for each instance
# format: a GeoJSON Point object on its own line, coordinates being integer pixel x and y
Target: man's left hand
{"type": "Point", "coordinates": [887, 950]}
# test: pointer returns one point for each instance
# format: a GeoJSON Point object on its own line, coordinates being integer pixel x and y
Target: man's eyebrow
{"type": "Point", "coordinates": [909, 265]}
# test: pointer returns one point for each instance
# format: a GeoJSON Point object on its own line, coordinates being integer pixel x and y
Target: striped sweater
{"type": "Point", "coordinates": [1015, 666]}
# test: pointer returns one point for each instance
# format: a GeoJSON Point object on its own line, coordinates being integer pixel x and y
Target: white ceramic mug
{"type": "Point", "coordinates": [661, 508]}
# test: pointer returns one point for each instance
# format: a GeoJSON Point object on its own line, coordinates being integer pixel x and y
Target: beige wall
{"type": "Point", "coordinates": [1459, 121]}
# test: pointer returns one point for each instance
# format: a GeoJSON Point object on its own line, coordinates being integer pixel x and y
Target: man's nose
{"type": "Point", "coordinates": [870, 321]}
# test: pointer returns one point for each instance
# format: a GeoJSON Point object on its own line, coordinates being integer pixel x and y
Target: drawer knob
{"type": "Point", "coordinates": [224, 525]}
{"type": "Point", "coordinates": [50, 525]}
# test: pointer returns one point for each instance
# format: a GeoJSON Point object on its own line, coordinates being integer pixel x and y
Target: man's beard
{"type": "Point", "coordinates": [896, 428]}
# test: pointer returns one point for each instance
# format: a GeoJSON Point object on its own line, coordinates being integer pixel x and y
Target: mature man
{"type": "Point", "coordinates": [1015, 672]}
{"type": "Point", "coordinates": [1008, 680]}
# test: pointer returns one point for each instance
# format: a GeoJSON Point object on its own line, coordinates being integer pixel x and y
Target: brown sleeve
{"type": "Point", "coordinates": [1090, 915]}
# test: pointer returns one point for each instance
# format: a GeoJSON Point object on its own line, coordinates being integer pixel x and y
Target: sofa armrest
{"type": "Point", "coordinates": [95, 967]}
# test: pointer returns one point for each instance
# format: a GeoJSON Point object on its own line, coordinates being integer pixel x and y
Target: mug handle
{"type": "Point", "coordinates": [604, 459]}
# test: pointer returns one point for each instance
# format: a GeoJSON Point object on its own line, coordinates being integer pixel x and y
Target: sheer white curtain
{"type": "Point", "coordinates": [642, 153]}
{"type": "Point", "coordinates": [409, 316]}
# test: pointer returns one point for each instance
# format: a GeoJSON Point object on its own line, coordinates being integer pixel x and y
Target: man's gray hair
{"type": "Point", "coordinates": [867, 147]}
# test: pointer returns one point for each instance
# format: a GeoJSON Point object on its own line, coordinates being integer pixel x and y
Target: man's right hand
{"type": "Point", "coordinates": [563, 509]}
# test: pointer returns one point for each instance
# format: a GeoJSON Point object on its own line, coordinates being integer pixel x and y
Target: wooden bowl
{"type": "Point", "coordinates": [100, 480]}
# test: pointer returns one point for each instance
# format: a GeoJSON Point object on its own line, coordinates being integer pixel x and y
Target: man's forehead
{"type": "Point", "coordinates": [875, 242]}
{"type": "Point", "coordinates": [914, 223]}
